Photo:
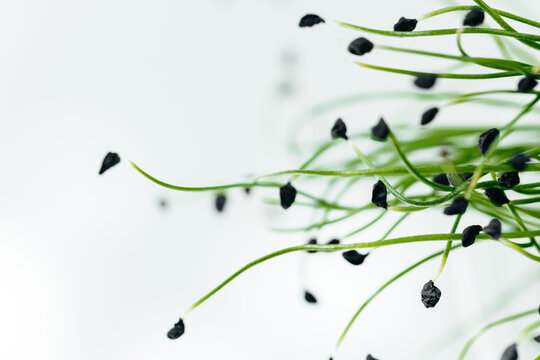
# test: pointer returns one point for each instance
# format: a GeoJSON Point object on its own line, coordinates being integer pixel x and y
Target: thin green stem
{"type": "Point", "coordinates": [379, 290]}
{"type": "Point", "coordinates": [504, 320]}
{"type": "Point", "coordinates": [439, 32]}
{"type": "Point", "coordinates": [372, 244]}
{"type": "Point", "coordinates": [447, 248]}
{"type": "Point", "coordinates": [523, 334]}
{"type": "Point", "coordinates": [468, 7]}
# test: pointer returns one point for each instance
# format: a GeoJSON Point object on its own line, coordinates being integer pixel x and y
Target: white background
{"type": "Point", "coordinates": [92, 268]}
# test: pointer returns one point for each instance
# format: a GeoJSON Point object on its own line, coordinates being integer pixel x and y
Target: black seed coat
{"type": "Point", "coordinates": [287, 194]}
{"type": "Point", "coordinates": [519, 161]}
{"type": "Point", "coordinates": [497, 196]}
{"type": "Point", "coordinates": [468, 236]}
{"type": "Point", "coordinates": [220, 202]}
{"type": "Point", "coordinates": [339, 130]}
{"type": "Point", "coordinates": [309, 297]}
{"type": "Point", "coordinates": [425, 81]}
{"type": "Point", "coordinates": [333, 242]}
{"type": "Point", "coordinates": [369, 357]}
{"type": "Point", "coordinates": [458, 206]}
{"type": "Point", "coordinates": [493, 229]}
{"type": "Point", "coordinates": [537, 339]}
{"type": "Point", "coordinates": [429, 115]}
{"type": "Point", "coordinates": [177, 330]}
{"type": "Point", "coordinates": [486, 139]}
{"type": "Point", "coordinates": [378, 195]}
{"type": "Point", "coordinates": [508, 179]}
{"type": "Point", "coordinates": [360, 46]}
{"type": "Point", "coordinates": [310, 20]}
{"type": "Point", "coordinates": [430, 294]}
{"type": "Point", "coordinates": [405, 24]}
{"type": "Point", "coordinates": [354, 257]}
{"type": "Point", "coordinates": [510, 353]}
{"type": "Point", "coordinates": [109, 161]}
{"type": "Point", "coordinates": [380, 131]}
{"type": "Point", "coordinates": [312, 241]}
{"type": "Point", "coordinates": [441, 179]}
{"type": "Point", "coordinates": [474, 17]}
{"type": "Point", "coordinates": [527, 83]}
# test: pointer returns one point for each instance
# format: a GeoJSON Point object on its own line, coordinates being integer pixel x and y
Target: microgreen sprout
{"type": "Point", "coordinates": [477, 174]}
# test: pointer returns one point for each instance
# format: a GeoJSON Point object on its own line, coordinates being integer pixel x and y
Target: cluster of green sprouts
{"type": "Point", "coordinates": [469, 171]}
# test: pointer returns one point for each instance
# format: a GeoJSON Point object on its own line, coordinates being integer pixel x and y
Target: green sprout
{"type": "Point", "coordinates": [478, 169]}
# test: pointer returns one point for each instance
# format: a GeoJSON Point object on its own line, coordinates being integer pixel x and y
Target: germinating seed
{"type": "Point", "coordinates": [425, 81]}
{"type": "Point", "coordinates": [354, 257]}
{"type": "Point", "coordinates": [405, 24]}
{"type": "Point", "coordinates": [360, 46]}
{"type": "Point", "coordinates": [430, 294]}
{"type": "Point", "coordinates": [109, 161]}
{"type": "Point", "coordinates": [496, 196]}
{"type": "Point", "coordinates": [519, 161]}
{"type": "Point", "coordinates": [312, 241]}
{"type": "Point", "coordinates": [339, 130]}
{"type": "Point", "coordinates": [508, 179]}
{"type": "Point", "coordinates": [458, 206]}
{"type": "Point", "coordinates": [474, 17]}
{"type": "Point", "coordinates": [177, 331]}
{"type": "Point", "coordinates": [380, 131]}
{"type": "Point", "coordinates": [468, 236]}
{"type": "Point", "coordinates": [493, 229]}
{"type": "Point", "coordinates": [510, 353]}
{"type": "Point", "coordinates": [287, 194]}
{"type": "Point", "coordinates": [220, 202]}
{"type": "Point", "coordinates": [429, 115]}
{"type": "Point", "coordinates": [309, 297]}
{"type": "Point", "coordinates": [486, 139]}
{"type": "Point", "coordinates": [527, 83]}
{"type": "Point", "coordinates": [378, 195]}
{"type": "Point", "coordinates": [309, 20]}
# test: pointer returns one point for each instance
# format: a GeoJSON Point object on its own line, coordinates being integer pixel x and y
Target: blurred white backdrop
{"type": "Point", "coordinates": [193, 91]}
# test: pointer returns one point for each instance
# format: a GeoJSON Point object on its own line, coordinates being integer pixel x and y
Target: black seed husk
{"type": "Point", "coordinates": [430, 294]}
{"type": "Point", "coordinates": [247, 190]}
{"type": "Point", "coordinates": [360, 46]}
{"type": "Point", "coordinates": [220, 202]}
{"type": "Point", "coordinates": [510, 353]}
{"type": "Point", "coordinates": [486, 139]}
{"type": "Point", "coordinates": [380, 131]}
{"type": "Point", "coordinates": [496, 196]}
{"type": "Point", "coordinates": [177, 330]}
{"type": "Point", "coordinates": [339, 130]}
{"type": "Point", "coordinates": [527, 83]}
{"type": "Point", "coordinates": [508, 179]}
{"type": "Point", "coordinates": [309, 20]}
{"type": "Point", "coordinates": [493, 229]}
{"type": "Point", "coordinates": [466, 176]}
{"type": "Point", "coordinates": [537, 339]}
{"type": "Point", "coordinates": [441, 179]}
{"type": "Point", "coordinates": [312, 241]}
{"type": "Point", "coordinates": [474, 17]}
{"type": "Point", "coordinates": [354, 257]}
{"type": "Point", "coordinates": [333, 242]}
{"type": "Point", "coordinates": [287, 194]}
{"type": "Point", "coordinates": [309, 297]}
{"type": "Point", "coordinates": [458, 206]}
{"type": "Point", "coordinates": [519, 161]}
{"type": "Point", "coordinates": [425, 81]}
{"type": "Point", "coordinates": [429, 115]}
{"type": "Point", "coordinates": [109, 161]}
{"type": "Point", "coordinates": [468, 236]}
{"type": "Point", "coordinates": [378, 195]}
{"type": "Point", "coordinates": [405, 24]}
{"type": "Point", "coordinates": [369, 357]}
